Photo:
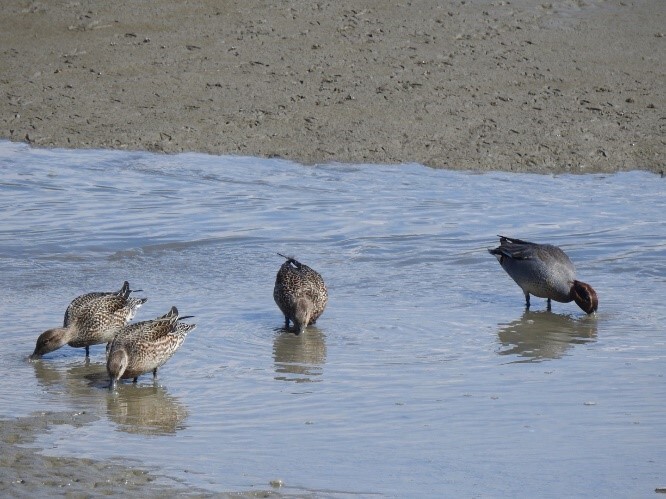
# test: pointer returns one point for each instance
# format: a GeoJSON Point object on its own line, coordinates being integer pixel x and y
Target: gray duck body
{"type": "Point", "coordinates": [300, 293]}
{"type": "Point", "coordinates": [145, 346]}
{"type": "Point", "coordinates": [92, 321]}
{"type": "Point", "coordinates": [543, 270]}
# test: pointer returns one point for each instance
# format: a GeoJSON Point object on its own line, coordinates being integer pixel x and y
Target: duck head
{"type": "Point", "coordinates": [115, 365]}
{"type": "Point", "coordinates": [50, 340]}
{"type": "Point", "coordinates": [302, 314]}
{"type": "Point", "coordinates": [584, 296]}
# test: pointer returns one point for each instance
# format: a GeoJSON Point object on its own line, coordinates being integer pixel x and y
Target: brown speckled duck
{"type": "Point", "coordinates": [545, 271]}
{"type": "Point", "coordinates": [90, 319]}
{"type": "Point", "coordinates": [145, 346]}
{"type": "Point", "coordinates": [79, 303]}
{"type": "Point", "coordinates": [300, 293]}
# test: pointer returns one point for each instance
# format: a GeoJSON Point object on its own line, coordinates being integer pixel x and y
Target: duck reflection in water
{"type": "Point", "coordinates": [542, 335]}
{"type": "Point", "coordinates": [148, 410]}
{"type": "Point", "coordinates": [299, 358]}
{"type": "Point", "coordinates": [75, 378]}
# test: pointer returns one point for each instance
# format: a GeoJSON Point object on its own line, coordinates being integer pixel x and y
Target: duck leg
{"type": "Point", "coordinates": [154, 374]}
{"type": "Point", "coordinates": [135, 379]}
{"type": "Point", "coordinates": [286, 322]}
{"type": "Point", "coordinates": [87, 351]}
{"type": "Point", "coordinates": [548, 305]}
{"type": "Point", "coordinates": [527, 301]}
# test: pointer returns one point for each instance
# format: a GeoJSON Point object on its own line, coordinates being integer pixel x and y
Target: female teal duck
{"type": "Point", "coordinates": [300, 293]}
{"type": "Point", "coordinates": [89, 320]}
{"type": "Point", "coordinates": [545, 271]}
{"type": "Point", "coordinates": [79, 303]}
{"type": "Point", "coordinates": [145, 346]}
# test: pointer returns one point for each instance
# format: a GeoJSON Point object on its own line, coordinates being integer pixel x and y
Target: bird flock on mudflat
{"type": "Point", "coordinates": [137, 348]}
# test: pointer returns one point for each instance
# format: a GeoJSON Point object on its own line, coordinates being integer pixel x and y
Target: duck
{"type": "Point", "coordinates": [79, 303]}
{"type": "Point", "coordinates": [145, 346]}
{"type": "Point", "coordinates": [300, 293]}
{"type": "Point", "coordinates": [90, 319]}
{"type": "Point", "coordinates": [544, 270]}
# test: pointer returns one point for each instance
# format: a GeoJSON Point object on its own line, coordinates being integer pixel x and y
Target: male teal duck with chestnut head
{"type": "Point", "coordinates": [545, 271]}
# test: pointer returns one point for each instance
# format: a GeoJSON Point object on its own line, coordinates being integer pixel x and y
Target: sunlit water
{"type": "Point", "coordinates": [424, 376]}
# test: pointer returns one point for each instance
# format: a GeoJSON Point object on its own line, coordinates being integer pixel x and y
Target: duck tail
{"type": "Point", "coordinates": [292, 260]}
{"type": "Point", "coordinates": [173, 312]}
{"type": "Point", "coordinates": [124, 291]}
{"type": "Point", "coordinates": [504, 239]}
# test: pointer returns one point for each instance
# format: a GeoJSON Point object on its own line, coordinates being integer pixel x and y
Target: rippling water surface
{"type": "Point", "coordinates": [425, 375]}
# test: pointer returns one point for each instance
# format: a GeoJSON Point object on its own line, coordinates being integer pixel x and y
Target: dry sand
{"type": "Point", "coordinates": [522, 85]}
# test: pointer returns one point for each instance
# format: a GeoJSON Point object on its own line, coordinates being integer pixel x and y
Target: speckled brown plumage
{"type": "Point", "coordinates": [300, 293]}
{"type": "Point", "coordinates": [145, 346]}
{"type": "Point", "coordinates": [95, 320]}
{"type": "Point", "coordinates": [79, 303]}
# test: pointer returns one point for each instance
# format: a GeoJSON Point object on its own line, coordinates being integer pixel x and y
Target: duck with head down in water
{"type": "Point", "coordinates": [545, 271]}
{"type": "Point", "coordinates": [300, 293]}
{"type": "Point", "coordinates": [90, 319]}
{"type": "Point", "coordinates": [145, 346]}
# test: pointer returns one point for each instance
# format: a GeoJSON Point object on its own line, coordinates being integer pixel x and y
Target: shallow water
{"type": "Point", "coordinates": [425, 375]}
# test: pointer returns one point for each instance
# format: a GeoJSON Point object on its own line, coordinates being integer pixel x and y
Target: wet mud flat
{"type": "Point", "coordinates": [26, 472]}
{"type": "Point", "coordinates": [548, 87]}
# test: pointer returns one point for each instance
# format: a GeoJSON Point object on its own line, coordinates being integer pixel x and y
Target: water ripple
{"type": "Point", "coordinates": [425, 356]}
